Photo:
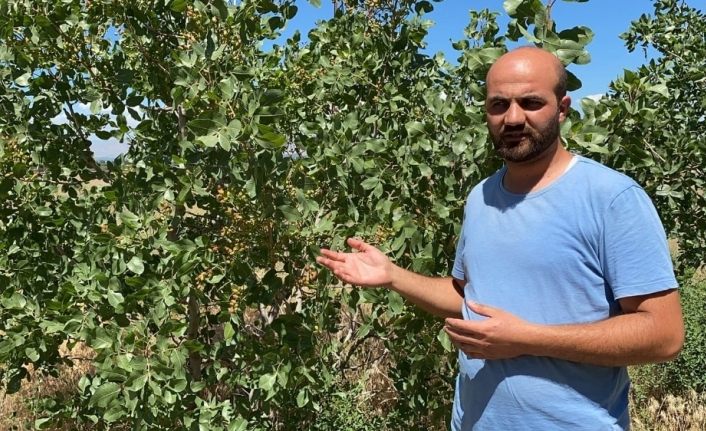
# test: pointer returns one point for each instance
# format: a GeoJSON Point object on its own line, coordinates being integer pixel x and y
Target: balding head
{"type": "Point", "coordinates": [533, 58]}
{"type": "Point", "coordinates": [525, 103]}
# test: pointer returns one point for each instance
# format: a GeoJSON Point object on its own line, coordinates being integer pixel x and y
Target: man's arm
{"type": "Point", "coordinates": [369, 267]}
{"type": "Point", "coordinates": [651, 329]}
{"type": "Point", "coordinates": [439, 296]}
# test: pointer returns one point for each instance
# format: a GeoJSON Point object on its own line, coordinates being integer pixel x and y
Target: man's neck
{"type": "Point", "coordinates": [534, 175]}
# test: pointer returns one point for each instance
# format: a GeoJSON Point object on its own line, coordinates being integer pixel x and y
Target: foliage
{"type": "Point", "coordinates": [686, 372]}
{"type": "Point", "coordinates": [187, 264]}
{"type": "Point", "coordinates": [652, 124]}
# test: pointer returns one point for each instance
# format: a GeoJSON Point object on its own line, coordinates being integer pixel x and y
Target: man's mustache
{"type": "Point", "coordinates": [515, 130]}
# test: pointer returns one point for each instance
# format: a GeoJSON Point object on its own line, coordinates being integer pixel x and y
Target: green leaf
{"type": "Point", "coordinates": [136, 265]}
{"type": "Point", "coordinates": [102, 340]}
{"type": "Point", "coordinates": [138, 383]}
{"type": "Point", "coordinates": [42, 423]}
{"type": "Point", "coordinates": [414, 128]}
{"type": "Point", "coordinates": [481, 58]}
{"type": "Point", "coordinates": [423, 7]}
{"type": "Point", "coordinates": [267, 381]}
{"type": "Point", "coordinates": [134, 100]}
{"type": "Point", "coordinates": [23, 80]}
{"type": "Point", "coordinates": [511, 6]}
{"type": "Point", "coordinates": [315, 3]}
{"type": "Point", "coordinates": [227, 87]}
{"type": "Point", "coordinates": [15, 301]}
{"type": "Point", "coordinates": [290, 213]}
{"type": "Point", "coordinates": [660, 88]}
{"type": "Point", "coordinates": [370, 183]}
{"type": "Point", "coordinates": [206, 123]}
{"type": "Point", "coordinates": [105, 393]}
{"type": "Point", "coordinates": [197, 386]}
{"type": "Point", "coordinates": [114, 413]}
{"type": "Point", "coordinates": [224, 141]}
{"type": "Point", "coordinates": [445, 341]}
{"type": "Point", "coordinates": [96, 106]}
{"type": "Point", "coordinates": [228, 331]}
{"type": "Point", "coordinates": [238, 424]}
{"type": "Point", "coordinates": [129, 219]}
{"type": "Point", "coordinates": [395, 303]}
{"type": "Point", "coordinates": [15, 383]}
{"type": "Point", "coordinates": [234, 129]}
{"type": "Point", "coordinates": [268, 138]}
{"type": "Point", "coordinates": [376, 145]}
{"type": "Point", "coordinates": [179, 5]}
{"type": "Point", "coordinates": [222, 8]}
{"type": "Point", "coordinates": [302, 398]}
{"type": "Point", "coordinates": [32, 354]}
{"type": "Point", "coordinates": [179, 385]}
{"type": "Point", "coordinates": [43, 211]}
{"type": "Point", "coordinates": [103, 134]}
{"type": "Point", "coordinates": [573, 83]}
{"type": "Point", "coordinates": [210, 140]}
{"type": "Point", "coordinates": [215, 279]}
{"type": "Point", "coordinates": [459, 147]}
{"type": "Point", "coordinates": [115, 298]}
{"type": "Point", "coordinates": [363, 330]}
{"type": "Point", "coordinates": [271, 97]}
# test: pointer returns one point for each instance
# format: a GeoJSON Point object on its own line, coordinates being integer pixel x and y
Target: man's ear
{"type": "Point", "coordinates": [564, 105]}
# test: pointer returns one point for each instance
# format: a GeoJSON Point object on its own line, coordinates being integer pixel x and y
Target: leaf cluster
{"type": "Point", "coordinates": [187, 264]}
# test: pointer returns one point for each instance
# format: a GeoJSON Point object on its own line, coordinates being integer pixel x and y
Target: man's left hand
{"type": "Point", "coordinates": [501, 336]}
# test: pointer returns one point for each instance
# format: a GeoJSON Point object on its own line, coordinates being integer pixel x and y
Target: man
{"type": "Point", "coordinates": [564, 269]}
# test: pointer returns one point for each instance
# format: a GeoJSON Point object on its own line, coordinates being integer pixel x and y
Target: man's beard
{"type": "Point", "coordinates": [534, 142]}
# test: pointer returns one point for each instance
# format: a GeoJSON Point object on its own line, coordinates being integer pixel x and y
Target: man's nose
{"type": "Point", "coordinates": [515, 115]}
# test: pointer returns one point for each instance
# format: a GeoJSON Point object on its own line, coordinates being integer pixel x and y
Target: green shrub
{"type": "Point", "coordinates": [687, 371]}
{"type": "Point", "coordinates": [349, 410]}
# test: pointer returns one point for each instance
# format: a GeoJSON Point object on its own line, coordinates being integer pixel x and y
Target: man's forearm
{"type": "Point", "coordinates": [627, 339]}
{"type": "Point", "coordinates": [435, 295]}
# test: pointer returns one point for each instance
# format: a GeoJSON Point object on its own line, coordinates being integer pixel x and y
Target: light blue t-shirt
{"type": "Point", "coordinates": [564, 254]}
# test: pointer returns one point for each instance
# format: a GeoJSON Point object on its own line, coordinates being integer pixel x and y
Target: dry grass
{"type": "Point", "coordinates": [19, 410]}
{"type": "Point", "coordinates": [672, 413]}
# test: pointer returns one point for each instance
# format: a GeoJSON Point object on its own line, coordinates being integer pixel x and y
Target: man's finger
{"type": "Point", "coordinates": [333, 255]}
{"type": "Point", "coordinates": [461, 325]}
{"type": "Point", "coordinates": [463, 337]}
{"type": "Point", "coordinates": [470, 350]}
{"type": "Point", "coordinates": [481, 309]}
{"type": "Point", "coordinates": [324, 261]}
{"type": "Point", "coordinates": [358, 244]}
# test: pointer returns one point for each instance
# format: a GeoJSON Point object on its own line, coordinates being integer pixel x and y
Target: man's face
{"type": "Point", "coordinates": [522, 110]}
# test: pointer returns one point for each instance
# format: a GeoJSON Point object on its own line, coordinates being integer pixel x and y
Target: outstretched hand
{"type": "Point", "coordinates": [366, 266]}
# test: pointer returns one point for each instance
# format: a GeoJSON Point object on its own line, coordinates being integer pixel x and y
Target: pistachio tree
{"type": "Point", "coordinates": [652, 123]}
{"type": "Point", "coordinates": [187, 265]}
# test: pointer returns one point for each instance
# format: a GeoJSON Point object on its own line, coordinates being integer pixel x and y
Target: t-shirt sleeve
{"type": "Point", "coordinates": [635, 255]}
{"type": "Point", "coordinates": [458, 270]}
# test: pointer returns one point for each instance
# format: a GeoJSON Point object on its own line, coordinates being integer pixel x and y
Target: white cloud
{"type": "Point", "coordinates": [59, 119]}
{"type": "Point", "coordinates": [107, 149]}
{"type": "Point", "coordinates": [595, 97]}
{"type": "Point", "coordinates": [103, 149]}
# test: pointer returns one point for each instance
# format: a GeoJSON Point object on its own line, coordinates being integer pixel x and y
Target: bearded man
{"type": "Point", "coordinates": [562, 274]}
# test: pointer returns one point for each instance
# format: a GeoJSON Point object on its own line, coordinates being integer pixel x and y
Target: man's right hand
{"type": "Point", "coordinates": [366, 266]}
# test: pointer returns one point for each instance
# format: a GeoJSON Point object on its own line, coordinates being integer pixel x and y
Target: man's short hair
{"type": "Point", "coordinates": [562, 81]}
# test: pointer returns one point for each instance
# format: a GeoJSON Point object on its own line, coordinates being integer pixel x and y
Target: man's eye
{"type": "Point", "coordinates": [499, 105]}
{"type": "Point", "coordinates": [532, 104]}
